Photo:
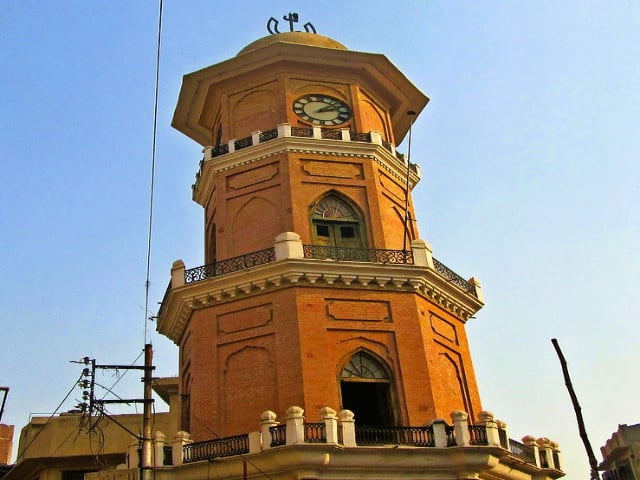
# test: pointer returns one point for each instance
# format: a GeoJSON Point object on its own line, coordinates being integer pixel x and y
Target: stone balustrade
{"type": "Point", "coordinates": [340, 428]}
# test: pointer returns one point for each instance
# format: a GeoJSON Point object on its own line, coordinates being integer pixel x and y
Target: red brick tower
{"type": "Point", "coordinates": [314, 293]}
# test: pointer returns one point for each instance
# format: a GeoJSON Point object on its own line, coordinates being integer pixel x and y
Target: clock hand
{"type": "Point", "coordinates": [328, 108]}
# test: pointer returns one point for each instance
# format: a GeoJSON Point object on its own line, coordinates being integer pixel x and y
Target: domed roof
{"type": "Point", "coordinates": [303, 38]}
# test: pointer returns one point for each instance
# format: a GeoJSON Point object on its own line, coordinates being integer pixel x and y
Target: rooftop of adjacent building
{"type": "Point", "coordinates": [621, 445]}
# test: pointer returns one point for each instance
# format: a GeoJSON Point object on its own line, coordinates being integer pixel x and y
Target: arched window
{"type": "Point", "coordinates": [365, 387]}
{"type": "Point", "coordinates": [363, 365]}
{"type": "Point", "coordinates": [336, 223]}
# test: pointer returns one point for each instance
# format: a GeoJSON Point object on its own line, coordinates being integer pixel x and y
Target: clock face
{"type": "Point", "coordinates": [322, 110]}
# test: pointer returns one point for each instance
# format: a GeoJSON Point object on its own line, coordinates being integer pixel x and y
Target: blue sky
{"type": "Point", "coordinates": [529, 150]}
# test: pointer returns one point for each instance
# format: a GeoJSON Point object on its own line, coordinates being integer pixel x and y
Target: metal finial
{"type": "Point", "coordinates": [291, 18]}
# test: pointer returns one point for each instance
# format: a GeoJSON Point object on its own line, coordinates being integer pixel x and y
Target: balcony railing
{"type": "Point", "coordinates": [323, 252]}
{"type": "Point", "coordinates": [478, 435]}
{"type": "Point", "coordinates": [230, 265]}
{"type": "Point", "coordinates": [306, 132]}
{"type": "Point", "coordinates": [221, 447]}
{"type": "Point", "coordinates": [315, 432]}
{"type": "Point", "coordinates": [278, 435]}
{"type": "Point", "coordinates": [414, 436]}
{"type": "Point", "coordinates": [365, 436]}
{"type": "Point", "coordinates": [453, 277]}
{"type": "Point", "coordinates": [521, 450]}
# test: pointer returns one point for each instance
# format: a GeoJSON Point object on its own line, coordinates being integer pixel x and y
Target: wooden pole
{"type": "Point", "coordinates": [576, 406]}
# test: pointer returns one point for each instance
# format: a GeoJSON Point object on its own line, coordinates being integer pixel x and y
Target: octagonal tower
{"type": "Point", "coordinates": [316, 290]}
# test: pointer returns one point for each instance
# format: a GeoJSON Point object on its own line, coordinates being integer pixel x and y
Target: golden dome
{"type": "Point", "coordinates": [303, 38]}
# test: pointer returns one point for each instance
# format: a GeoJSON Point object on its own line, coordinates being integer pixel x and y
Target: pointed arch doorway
{"type": "Point", "coordinates": [365, 387]}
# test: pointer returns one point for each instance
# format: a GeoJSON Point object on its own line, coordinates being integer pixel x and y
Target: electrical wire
{"type": "Point", "coordinates": [120, 377]}
{"type": "Point", "coordinates": [75, 384]}
{"type": "Point", "coordinates": [245, 458]}
{"type": "Point", "coordinates": [153, 171]}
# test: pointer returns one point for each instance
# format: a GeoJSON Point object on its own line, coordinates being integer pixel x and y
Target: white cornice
{"type": "Point", "coordinates": [180, 302]}
{"type": "Point", "coordinates": [205, 179]}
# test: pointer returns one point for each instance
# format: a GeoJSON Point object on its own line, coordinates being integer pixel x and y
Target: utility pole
{"type": "Point", "coordinates": [147, 440]}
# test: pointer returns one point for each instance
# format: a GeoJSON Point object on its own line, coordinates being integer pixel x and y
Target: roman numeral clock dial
{"type": "Point", "coordinates": [322, 110]}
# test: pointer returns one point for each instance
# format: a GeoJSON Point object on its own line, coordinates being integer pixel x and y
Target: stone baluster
{"type": "Point", "coordinates": [478, 288]}
{"type": "Point", "coordinates": [177, 274]}
{"type": "Point", "coordinates": [268, 420]}
{"type": "Point", "coordinates": [330, 424]}
{"type": "Point", "coordinates": [422, 253]}
{"type": "Point", "coordinates": [255, 137]}
{"type": "Point", "coordinates": [255, 442]}
{"type": "Point", "coordinates": [181, 439]}
{"type": "Point", "coordinates": [504, 434]}
{"type": "Point", "coordinates": [376, 138]}
{"type": "Point", "coordinates": [346, 134]}
{"type": "Point", "coordinates": [461, 428]}
{"type": "Point", "coordinates": [317, 132]}
{"type": "Point", "coordinates": [491, 427]}
{"type": "Point", "coordinates": [133, 455]}
{"type": "Point", "coordinates": [348, 425]}
{"type": "Point", "coordinates": [284, 130]}
{"type": "Point", "coordinates": [530, 441]}
{"type": "Point", "coordinates": [288, 245]}
{"type": "Point", "coordinates": [159, 443]}
{"type": "Point", "coordinates": [295, 425]}
{"type": "Point", "coordinates": [546, 449]}
{"type": "Point", "coordinates": [440, 433]}
{"type": "Point", "coordinates": [557, 457]}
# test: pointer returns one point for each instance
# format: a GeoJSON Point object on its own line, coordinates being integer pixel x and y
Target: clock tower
{"type": "Point", "coordinates": [317, 289]}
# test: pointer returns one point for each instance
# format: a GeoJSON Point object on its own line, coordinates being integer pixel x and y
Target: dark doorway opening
{"type": "Point", "coordinates": [369, 401]}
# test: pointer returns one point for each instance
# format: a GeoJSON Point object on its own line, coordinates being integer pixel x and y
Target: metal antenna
{"type": "Point", "coordinates": [411, 114]}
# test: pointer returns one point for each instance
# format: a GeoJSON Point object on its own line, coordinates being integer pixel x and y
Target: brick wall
{"type": "Point", "coordinates": [6, 443]}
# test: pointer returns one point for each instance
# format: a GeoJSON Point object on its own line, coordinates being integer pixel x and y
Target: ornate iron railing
{"type": "Point", "coordinates": [222, 447]}
{"type": "Point", "coordinates": [315, 433]}
{"type": "Point", "coordinates": [324, 252]}
{"type": "Point", "coordinates": [301, 132]}
{"type": "Point", "coordinates": [451, 439]}
{"type": "Point", "coordinates": [414, 436]}
{"type": "Point", "coordinates": [365, 436]}
{"type": "Point", "coordinates": [360, 137]}
{"type": "Point", "coordinates": [478, 435]}
{"type": "Point", "coordinates": [326, 133]}
{"type": "Point", "coordinates": [268, 135]}
{"type": "Point", "coordinates": [321, 252]}
{"type": "Point", "coordinates": [521, 450]}
{"type": "Point", "coordinates": [278, 435]}
{"type": "Point", "coordinates": [331, 133]}
{"type": "Point", "coordinates": [230, 265]}
{"type": "Point", "coordinates": [453, 277]}
{"type": "Point", "coordinates": [220, 150]}
{"type": "Point", "coordinates": [243, 143]}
